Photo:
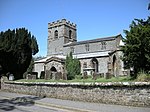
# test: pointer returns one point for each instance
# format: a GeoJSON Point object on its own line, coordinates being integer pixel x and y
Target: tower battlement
{"type": "Point", "coordinates": [60, 32]}
{"type": "Point", "coordinates": [61, 22]}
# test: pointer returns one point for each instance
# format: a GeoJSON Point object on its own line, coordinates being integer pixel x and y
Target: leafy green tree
{"type": "Point", "coordinates": [16, 49]}
{"type": "Point", "coordinates": [137, 46]}
{"type": "Point", "coordinates": [72, 66]}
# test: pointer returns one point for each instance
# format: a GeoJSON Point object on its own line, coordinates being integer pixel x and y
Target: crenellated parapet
{"type": "Point", "coordinates": [61, 22]}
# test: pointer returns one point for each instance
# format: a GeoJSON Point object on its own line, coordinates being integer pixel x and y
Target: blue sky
{"type": "Point", "coordinates": [94, 18]}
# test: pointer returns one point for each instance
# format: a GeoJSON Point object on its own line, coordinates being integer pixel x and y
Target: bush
{"type": "Point", "coordinates": [143, 77]}
{"type": "Point", "coordinates": [72, 66]}
{"type": "Point", "coordinates": [78, 77]}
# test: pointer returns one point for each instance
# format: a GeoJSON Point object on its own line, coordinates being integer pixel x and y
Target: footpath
{"type": "Point", "coordinates": [71, 106]}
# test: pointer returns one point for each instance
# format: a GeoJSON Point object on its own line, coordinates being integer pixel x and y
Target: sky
{"type": "Point", "coordinates": [94, 18]}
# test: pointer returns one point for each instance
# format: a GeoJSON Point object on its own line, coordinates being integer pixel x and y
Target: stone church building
{"type": "Point", "coordinates": [100, 55]}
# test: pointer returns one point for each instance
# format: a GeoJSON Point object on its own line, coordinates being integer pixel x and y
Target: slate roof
{"type": "Point", "coordinates": [47, 58]}
{"type": "Point", "coordinates": [93, 40]}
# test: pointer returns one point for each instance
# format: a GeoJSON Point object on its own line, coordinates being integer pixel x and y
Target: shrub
{"type": "Point", "coordinates": [72, 66]}
{"type": "Point", "coordinates": [142, 76]}
{"type": "Point", "coordinates": [78, 77]}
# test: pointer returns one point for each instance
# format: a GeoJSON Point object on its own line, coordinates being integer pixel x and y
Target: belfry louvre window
{"type": "Point", "coordinates": [87, 47]}
{"type": "Point", "coordinates": [70, 34]}
{"type": "Point", "coordinates": [56, 34]}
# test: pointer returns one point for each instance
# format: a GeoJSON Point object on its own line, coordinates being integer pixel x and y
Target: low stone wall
{"type": "Point", "coordinates": [126, 93]}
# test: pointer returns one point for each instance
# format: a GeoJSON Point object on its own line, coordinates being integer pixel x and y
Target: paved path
{"type": "Point", "coordinates": [26, 103]}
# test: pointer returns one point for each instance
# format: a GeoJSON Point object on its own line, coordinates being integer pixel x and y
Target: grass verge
{"type": "Point", "coordinates": [113, 79]}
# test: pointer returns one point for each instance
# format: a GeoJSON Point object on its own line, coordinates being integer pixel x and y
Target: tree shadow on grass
{"type": "Point", "coordinates": [10, 104]}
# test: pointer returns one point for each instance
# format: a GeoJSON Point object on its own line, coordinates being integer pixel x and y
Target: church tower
{"type": "Point", "coordinates": [60, 33]}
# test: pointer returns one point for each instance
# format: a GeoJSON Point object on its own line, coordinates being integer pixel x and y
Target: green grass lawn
{"type": "Point", "coordinates": [113, 79]}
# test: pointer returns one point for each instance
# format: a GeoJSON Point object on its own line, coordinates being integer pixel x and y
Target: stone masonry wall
{"type": "Point", "coordinates": [132, 94]}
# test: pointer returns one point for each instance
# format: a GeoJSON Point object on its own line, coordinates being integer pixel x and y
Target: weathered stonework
{"type": "Point", "coordinates": [101, 55]}
{"type": "Point", "coordinates": [126, 93]}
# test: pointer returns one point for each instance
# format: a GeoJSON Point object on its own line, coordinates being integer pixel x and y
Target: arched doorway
{"type": "Point", "coordinates": [53, 72]}
{"type": "Point", "coordinates": [114, 65]}
{"type": "Point", "coordinates": [53, 69]}
{"type": "Point", "coordinates": [94, 63]}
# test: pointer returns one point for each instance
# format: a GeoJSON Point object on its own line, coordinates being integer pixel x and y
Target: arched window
{"type": "Point", "coordinates": [56, 34]}
{"type": "Point", "coordinates": [70, 34]}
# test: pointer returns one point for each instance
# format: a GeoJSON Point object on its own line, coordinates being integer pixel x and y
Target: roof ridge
{"type": "Point", "coordinates": [93, 40]}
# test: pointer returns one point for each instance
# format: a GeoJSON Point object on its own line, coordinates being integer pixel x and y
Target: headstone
{"type": "Point", "coordinates": [107, 76]}
{"type": "Point", "coordinates": [30, 77]}
{"type": "Point", "coordinates": [85, 76]}
{"type": "Point", "coordinates": [48, 75]}
{"type": "Point", "coordinates": [58, 76]}
{"type": "Point", "coordinates": [64, 74]}
{"type": "Point", "coordinates": [53, 75]}
{"type": "Point", "coordinates": [94, 76]}
{"type": "Point", "coordinates": [11, 77]}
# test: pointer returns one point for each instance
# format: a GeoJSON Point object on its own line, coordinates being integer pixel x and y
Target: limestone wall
{"type": "Point", "coordinates": [132, 94]}
{"type": "Point", "coordinates": [103, 64]}
{"type": "Point", "coordinates": [55, 47]}
{"type": "Point", "coordinates": [57, 65]}
{"type": "Point", "coordinates": [93, 47]}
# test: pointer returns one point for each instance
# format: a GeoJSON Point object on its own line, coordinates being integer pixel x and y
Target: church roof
{"type": "Point", "coordinates": [93, 40]}
{"type": "Point", "coordinates": [50, 57]}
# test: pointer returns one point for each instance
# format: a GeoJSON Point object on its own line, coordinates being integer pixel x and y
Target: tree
{"type": "Point", "coordinates": [16, 49]}
{"type": "Point", "coordinates": [30, 68]}
{"type": "Point", "coordinates": [34, 45]}
{"type": "Point", "coordinates": [137, 46]}
{"type": "Point", "coordinates": [72, 66]}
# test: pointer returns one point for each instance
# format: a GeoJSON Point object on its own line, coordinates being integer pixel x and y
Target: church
{"type": "Point", "coordinates": [101, 55]}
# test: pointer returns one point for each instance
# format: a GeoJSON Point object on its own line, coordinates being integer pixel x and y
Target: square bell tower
{"type": "Point", "coordinates": [59, 33]}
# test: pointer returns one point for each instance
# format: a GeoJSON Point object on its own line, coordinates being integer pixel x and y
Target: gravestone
{"type": "Point", "coordinates": [30, 77]}
{"type": "Point", "coordinates": [48, 75]}
{"type": "Point", "coordinates": [107, 76]}
{"type": "Point", "coordinates": [94, 76]}
{"type": "Point", "coordinates": [58, 76]}
{"type": "Point", "coordinates": [85, 76]}
{"type": "Point", "coordinates": [11, 77]}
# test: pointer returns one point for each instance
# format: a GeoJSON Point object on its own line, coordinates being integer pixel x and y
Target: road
{"type": "Point", "coordinates": [26, 103]}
